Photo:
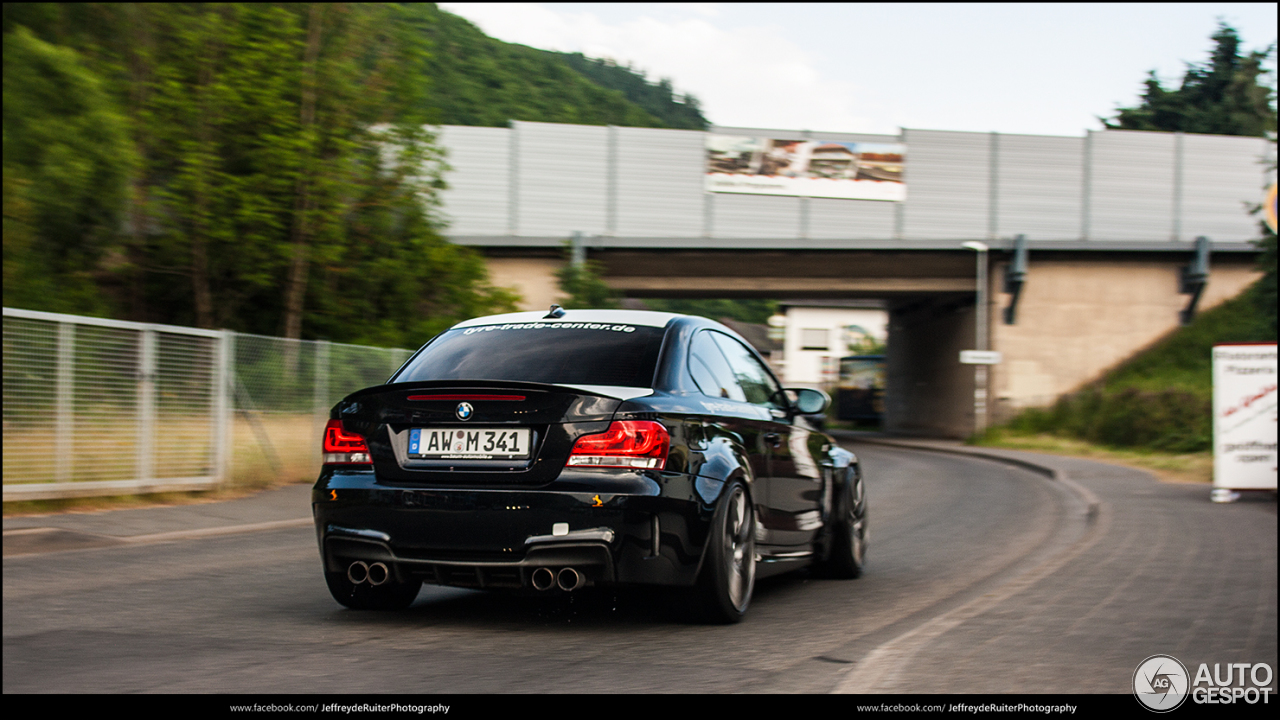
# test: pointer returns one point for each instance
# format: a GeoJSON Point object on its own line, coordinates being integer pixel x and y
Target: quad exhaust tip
{"type": "Point", "coordinates": [358, 572]}
{"type": "Point", "coordinates": [543, 579]}
{"type": "Point", "coordinates": [569, 579]}
{"type": "Point", "coordinates": [376, 574]}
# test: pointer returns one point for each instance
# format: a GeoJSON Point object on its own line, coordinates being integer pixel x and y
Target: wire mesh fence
{"type": "Point", "coordinates": [107, 407]}
{"type": "Point", "coordinates": [282, 391]}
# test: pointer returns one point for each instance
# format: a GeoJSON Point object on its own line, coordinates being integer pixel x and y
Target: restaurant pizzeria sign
{"type": "Point", "coordinates": [1244, 413]}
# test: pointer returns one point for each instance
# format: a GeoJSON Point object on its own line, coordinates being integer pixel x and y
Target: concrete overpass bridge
{"type": "Point", "coordinates": [1108, 220]}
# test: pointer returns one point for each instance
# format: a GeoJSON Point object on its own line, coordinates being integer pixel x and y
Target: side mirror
{"type": "Point", "coordinates": [809, 401]}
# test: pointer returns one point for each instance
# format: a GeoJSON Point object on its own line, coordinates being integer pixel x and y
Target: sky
{"type": "Point", "coordinates": [1039, 69]}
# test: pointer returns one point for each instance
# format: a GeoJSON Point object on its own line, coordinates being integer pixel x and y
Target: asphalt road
{"type": "Point", "coordinates": [982, 577]}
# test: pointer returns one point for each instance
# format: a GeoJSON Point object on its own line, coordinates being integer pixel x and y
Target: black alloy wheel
{"type": "Point", "coordinates": [390, 595]}
{"type": "Point", "coordinates": [849, 531]}
{"type": "Point", "coordinates": [729, 570]}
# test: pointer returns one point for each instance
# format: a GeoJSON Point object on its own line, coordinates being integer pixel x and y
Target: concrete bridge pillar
{"type": "Point", "coordinates": [929, 392]}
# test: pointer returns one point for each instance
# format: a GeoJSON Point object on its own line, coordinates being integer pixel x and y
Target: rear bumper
{"type": "Point", "coordinates": [599, 522]}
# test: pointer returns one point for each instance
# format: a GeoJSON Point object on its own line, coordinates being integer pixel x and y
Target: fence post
{"type": "Point", "coordinates": [321, 404]}
{"type": "Point", "coordinates": [396, 361]}
{"type": "Point", "coordinates": [224, 434]}
{"type": "Point", "coordinates": [64, 424]}
{"type": "Point", "coordinates": [146, 406]}
{"type": "Point", "coordinates": [1086, 193]}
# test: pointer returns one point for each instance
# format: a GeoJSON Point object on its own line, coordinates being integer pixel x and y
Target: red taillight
{"type": "Point", "coordinates": [627, 443]}
{"type": "Point", "coordinates": [344, 448]}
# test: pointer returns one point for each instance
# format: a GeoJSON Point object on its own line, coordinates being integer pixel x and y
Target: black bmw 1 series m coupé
{"type": "Point", "coordinates": [547, 452]}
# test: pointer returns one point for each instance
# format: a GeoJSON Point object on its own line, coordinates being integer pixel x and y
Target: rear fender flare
{"type": "Point", "coordinates": [739, 474]}
{"type": "Point", "coordinates": [725, 460]}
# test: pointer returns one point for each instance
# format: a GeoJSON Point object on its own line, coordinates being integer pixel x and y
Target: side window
{"type": "Point", "coordinates": [757, 384]}
{"type": "Point", "coordinates": [711, 371]}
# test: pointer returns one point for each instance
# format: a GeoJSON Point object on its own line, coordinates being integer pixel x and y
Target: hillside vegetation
{"type": "Point", "coordinates": [473, 79]}
{"type": "Point", "coordinates": [1160, 399]}
{"type": "Point", "coordinates": [658, 99]}
{"type": "Point", "coordinates": [227, 165]}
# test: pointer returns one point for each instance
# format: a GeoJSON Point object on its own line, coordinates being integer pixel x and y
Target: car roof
{"type": "Point", "coordinates": [644, 318]}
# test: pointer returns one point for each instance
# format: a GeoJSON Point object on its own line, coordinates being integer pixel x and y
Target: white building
{"type": "Point", "coordinates": [820, 332]}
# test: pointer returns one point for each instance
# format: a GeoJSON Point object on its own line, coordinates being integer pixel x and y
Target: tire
{"type": "Point", "coordinates": [728, 575]}
{"type": "Point", "coordinates": [849, 532]}
{"type": "Point", "coordinates": [390, 595]}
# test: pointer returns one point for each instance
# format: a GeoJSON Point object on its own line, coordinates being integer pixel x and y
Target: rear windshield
{"type": "Point", "coordinates": [561, 353]}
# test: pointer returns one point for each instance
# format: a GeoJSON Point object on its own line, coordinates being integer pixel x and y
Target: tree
{"type": "Point", "coordinates": [583, 286]}
{"type": "Point", "coordinates": [283, 181]}
{"type": "Point", "coordinates": [742, 310]}
{"type": "Point", "coordinates": [657, 99]}
{"type": "Point", "coordinates": [66, 163]}
{"type": "Point", "coordinates": [473, 79]}
{"type": "Point", "coordinates": [366, 290]}
{"type": "Point", "coordinates": [264, 167]}
{"type": "Point", "coordinates": [1228, 95]}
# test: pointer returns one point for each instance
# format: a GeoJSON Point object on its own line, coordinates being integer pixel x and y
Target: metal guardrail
{"type": "Point", "coordinates": [97, 407]}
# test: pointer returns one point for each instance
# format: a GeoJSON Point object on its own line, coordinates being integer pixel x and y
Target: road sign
{"type": "Point", "coordinates": [1244, 416]}
{"type": "Point", "coordinates": [777, 327]}
{"type": "Point", "coordinates": [980, 357]}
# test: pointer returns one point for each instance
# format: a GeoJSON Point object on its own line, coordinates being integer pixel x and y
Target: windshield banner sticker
{"type": "Point", "coordinates": [563, 325]}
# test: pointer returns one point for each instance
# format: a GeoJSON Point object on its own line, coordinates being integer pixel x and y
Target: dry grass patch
{"type": "Point", "coordinates": [273, 450]}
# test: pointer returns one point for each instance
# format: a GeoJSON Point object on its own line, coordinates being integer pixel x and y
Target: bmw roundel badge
{"type": "Point", "coordinates": [464, 411]}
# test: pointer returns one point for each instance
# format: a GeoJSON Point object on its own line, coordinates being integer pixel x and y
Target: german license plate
{"type": "Point", "coordinates": [469, 443]}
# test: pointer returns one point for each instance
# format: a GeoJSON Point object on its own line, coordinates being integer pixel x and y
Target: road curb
{"type": "Point", "coordinates": [1091, 501]}
{"type": "Point", "coordinates": [72, 540]}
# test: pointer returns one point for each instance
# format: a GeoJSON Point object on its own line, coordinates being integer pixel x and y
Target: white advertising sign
{"type": "Point", "coordinates": [1244, 416]}
{"type": "Point", "coordinates": [806, 168]}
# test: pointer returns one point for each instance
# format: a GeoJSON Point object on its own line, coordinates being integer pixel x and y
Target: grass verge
{"type": "Point", "coordinates": [1188, 467]}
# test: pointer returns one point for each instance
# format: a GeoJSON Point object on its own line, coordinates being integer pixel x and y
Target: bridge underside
{"type": "Point", "coordinates": [1080, 313]}
{"type": "Point", "coordinates": [781, 274]}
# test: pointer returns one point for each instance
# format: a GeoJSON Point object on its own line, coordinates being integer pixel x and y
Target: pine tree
{"type": "Point", "coordinates": [1228, 95]}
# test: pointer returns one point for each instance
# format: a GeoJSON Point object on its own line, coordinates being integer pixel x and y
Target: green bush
{"type": "Point", "coordinates": [1171, 420]}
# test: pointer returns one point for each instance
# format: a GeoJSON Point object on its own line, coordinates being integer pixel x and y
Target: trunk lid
{"type": "Point", "coordinates": [403, 424]}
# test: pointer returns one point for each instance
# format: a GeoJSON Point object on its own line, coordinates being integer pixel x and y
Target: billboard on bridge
{"type": "Point", "coordinates": [806, 168]}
